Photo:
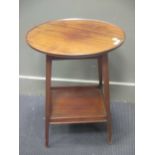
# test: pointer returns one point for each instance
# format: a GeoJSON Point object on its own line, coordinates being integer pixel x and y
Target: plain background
{"type": "Point", "coordinates": [145, 83]}
{"type": "Point", "coordinates": [144, 91]}
{"type": "Point", "coordinates": [121, 61]}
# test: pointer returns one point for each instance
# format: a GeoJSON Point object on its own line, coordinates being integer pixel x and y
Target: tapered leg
{"type": "Point", "coordinates": [109, 130]}
{"type": "Point", "coordinates": [46, 133]}
{"type": "Point", "coordinates": [105, 72]}
{"type": "Point", "coordinates": [47, 106]}
{"type": "Point", "coordinates": [100, 71]}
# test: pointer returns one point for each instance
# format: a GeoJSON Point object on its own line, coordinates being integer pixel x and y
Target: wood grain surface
{"type": "Point", "coordinates": [75, 37]}
{"type": "Point", "coordinates": [77, 105]}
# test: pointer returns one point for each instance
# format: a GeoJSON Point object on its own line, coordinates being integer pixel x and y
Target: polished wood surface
{"type": "Point", "coordinates": [75, 37]}
{"type": "Point", "coordinates": [77, 105]}
{"type": "Point", "coordinates": [48, 97]}
{"type": "Point", "coordinates": [106, 92]}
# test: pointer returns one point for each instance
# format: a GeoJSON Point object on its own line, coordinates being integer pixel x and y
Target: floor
{"type": "Point", "coordinates": [79, 139]}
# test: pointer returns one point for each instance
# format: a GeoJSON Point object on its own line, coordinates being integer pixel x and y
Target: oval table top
{"type": "Point", "coordinates": [75, 37]}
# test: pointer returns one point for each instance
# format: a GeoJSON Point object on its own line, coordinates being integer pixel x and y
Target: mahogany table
{"type": "Point", "coordinates": [77, 39]}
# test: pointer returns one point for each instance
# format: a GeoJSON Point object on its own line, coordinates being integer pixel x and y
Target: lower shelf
{"type": "Point", "coordinates": [77, 105]}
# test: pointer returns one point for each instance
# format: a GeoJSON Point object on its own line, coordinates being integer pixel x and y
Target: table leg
{"type": "Point", "coordinates": [105, 72]}
{"type": "Point", "coordinates": [48, 98]}
{"type": "Point", "coordinates": [100, 71]}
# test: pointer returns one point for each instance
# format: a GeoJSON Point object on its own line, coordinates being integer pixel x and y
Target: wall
{"type": "Point", "coordinates": [32, 64]}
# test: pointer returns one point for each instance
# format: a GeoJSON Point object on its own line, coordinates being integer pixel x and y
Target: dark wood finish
{"type": "Point", "coordinates": [77, 39]}
{"type": "Point", "coordinates": [48, 98]}
{"type": "Point", "coordinates": [105, 73]}
{"type": "Point", "coordinates": [109, 129]}
{"type": "Point", "coordinates": [77, 105]}
{"type": "Point", "coordinates": [99, 60]}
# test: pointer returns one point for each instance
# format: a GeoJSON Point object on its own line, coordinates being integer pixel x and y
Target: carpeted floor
{"type": "Point", "coordinates": [83, 139]}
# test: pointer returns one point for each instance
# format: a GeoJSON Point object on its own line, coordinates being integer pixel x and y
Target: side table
{"type": "Point", "coordinates": [77, 39]}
